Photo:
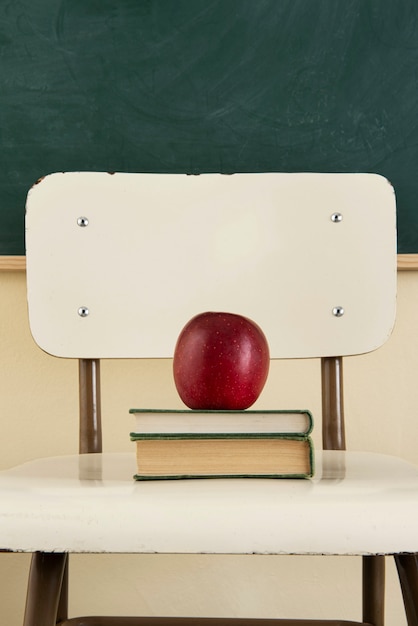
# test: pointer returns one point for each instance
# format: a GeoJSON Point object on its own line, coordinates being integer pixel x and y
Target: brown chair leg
{"type": "Point", "coordinates": [44, 588]}
{"type": "Point", "coordinates": [374, 590]}
{"type": "Point", "coordinates": [407, 565]}
{"type": "Point", "coordinates": [62, 612]}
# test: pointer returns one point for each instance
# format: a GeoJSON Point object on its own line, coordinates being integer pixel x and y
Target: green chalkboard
{"type": "Point", "coordinates": [207, 86]}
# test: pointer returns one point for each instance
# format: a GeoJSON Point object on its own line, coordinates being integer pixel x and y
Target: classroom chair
{"type": "Point", "coordinates": [116, 265]}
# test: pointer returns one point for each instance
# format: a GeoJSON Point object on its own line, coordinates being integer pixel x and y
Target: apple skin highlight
{"type": "Point", "coordinates": [221, 362]}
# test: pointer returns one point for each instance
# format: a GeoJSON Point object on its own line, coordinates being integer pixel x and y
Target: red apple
{"type": "Point", "coordinates": [221, 361]}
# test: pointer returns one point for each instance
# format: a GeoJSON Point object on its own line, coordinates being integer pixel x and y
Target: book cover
{"type": "Point", "coordinates": [289, 422]}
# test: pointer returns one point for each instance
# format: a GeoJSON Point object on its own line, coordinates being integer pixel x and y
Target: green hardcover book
{"type": "Point", "coordinates": [291, 422]}
{"type": "Point", "coordinates": [222, 455]}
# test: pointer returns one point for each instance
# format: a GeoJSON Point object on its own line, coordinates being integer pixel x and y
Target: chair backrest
{"type": "Point", "coordinates": [118, 263]}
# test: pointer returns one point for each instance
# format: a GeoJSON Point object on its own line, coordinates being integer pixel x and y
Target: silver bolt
{"type": "Point", "coordinates": [83, 221]}
{"type": "Point", "coordinates": [336, 218]}
{"type": "Point", "coordinates": [83, 311]}
{"type": "Point", "coordinates": [338, 311]}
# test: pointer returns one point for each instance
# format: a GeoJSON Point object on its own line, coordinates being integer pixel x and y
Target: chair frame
{"type": "Point", "coordinates": [47, 596]}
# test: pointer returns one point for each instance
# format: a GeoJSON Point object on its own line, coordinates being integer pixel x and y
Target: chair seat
{"type": "Point", "coordinates": [357, 503]}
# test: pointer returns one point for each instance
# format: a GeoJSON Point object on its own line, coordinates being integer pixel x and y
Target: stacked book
{"type": "Point", "coordinates": [222, 444]}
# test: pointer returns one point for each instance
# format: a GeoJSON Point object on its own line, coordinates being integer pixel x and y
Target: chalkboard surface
{"type": "Point", "coordinates": [208, 86]}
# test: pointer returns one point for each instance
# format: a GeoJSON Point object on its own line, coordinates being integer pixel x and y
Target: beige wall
{"type": "Point", "coordinates": [38, 405]}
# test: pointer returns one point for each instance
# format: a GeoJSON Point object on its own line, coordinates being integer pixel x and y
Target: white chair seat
{"type": "Point", "coordinates": [358, 503]}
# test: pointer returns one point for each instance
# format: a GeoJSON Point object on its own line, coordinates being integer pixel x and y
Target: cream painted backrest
{"type": "Point", "coordinates": [118, 263]}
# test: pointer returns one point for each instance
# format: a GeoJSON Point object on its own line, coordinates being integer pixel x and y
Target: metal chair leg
{"type": "Point", "coordinates": [62, 612]}
{"type": "Point", "coordinates": [374, 590]}
{"type": "Point", "coordinates": [44, 588]}
{"type": "Point", "coordinates": [407, 565]}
